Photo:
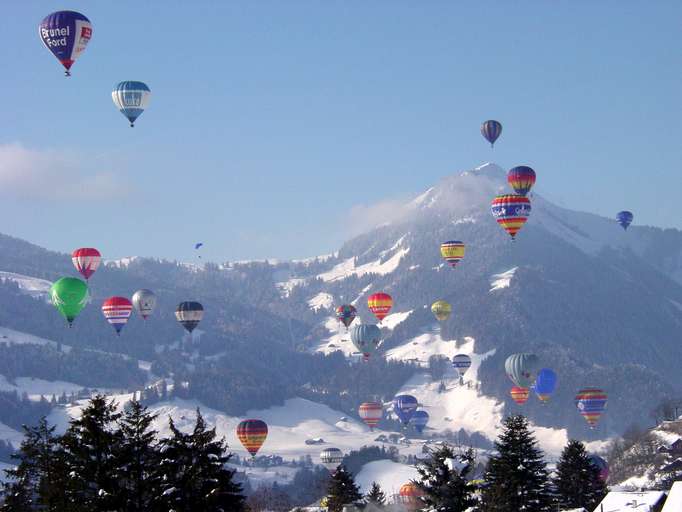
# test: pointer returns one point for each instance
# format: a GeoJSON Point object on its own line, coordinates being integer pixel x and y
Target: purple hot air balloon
{"type": "Point", "coordinates": [65, 34]}
{"type": "Point", "coordinates": [491, 130]}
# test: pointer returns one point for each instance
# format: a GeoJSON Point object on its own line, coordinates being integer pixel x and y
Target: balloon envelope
{"type": "Point", "coordinates": [522, 368]}
{"type": "Point", "coordinates": [371, 413]}
{"type": "Point", "coordinates": [404, 407]}
{"type": "Point", "coordinates": [380, 304]}
{"type": "Point", "coordinates": [452, 251]}
{"type": "Point", "coordinates": [624, 218]}
{"type": "Point", "coordinates": [409, 495]}
{"type": "Point", "coordinates": [69, 295]}
{"type": "Point", "coordinates": [252, 434]}
{"type": "Point", "coordinates": [591, 403]}
{"type": "Point", "coordinates": [65, 34]}
{"type": "Point", "coordinates": [511, 212]}
{"type": "Point", "coordinates": [491, 130]}
{"type": "Point", "coordinates": [601, 465]}
{"type": "Point", "coordinates": [189, 314]}
{"type": "Point", "coordinates": [86, 260]}
{"type": "Point", "coordinates": [131, 98]}
{"type": "Point", "coordinates": [419, 420]}
{"type": "Point", "coordinates": [461, 363]}
{"type": "Point", "coordinates": [346, 314]}
{"type": "Point", "coordinates": [519, 394]}
{"type": "Point", "coordinates": [331, 458]}
{"type": "Point", "coordinates": [144, 302]}
{"type": "Point", "coordinates": [366, 338]}
{"type": "Point", "coordinates": [441, 310]}
{"type": "Point", "coordinates": [545, 384]}
{"type": "Point", "coordinates": [117, 311]}
{"type": "Point", "coordinates": [521, 179]}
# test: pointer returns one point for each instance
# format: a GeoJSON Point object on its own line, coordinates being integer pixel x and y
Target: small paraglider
{"type": "Point", "coordinates": [404, 407]}
{"type": "Point", "coordinates": [144, 302]}
{"type": "Point", "coordinates": [521, 179]}
{"type": "Point", "coordinates": [452, 251]}
{"type": "Point", "coordinates": [189, 314]}
{"type": "Point", "coordinates": [522, 368]}
{"type": "Point", "coordinates": [624, 218]}
{"type": "Point", "coordinates": [419, 420]}
{"type": "Point", "coordinates": [86, 260]}
{"type": "Point", "coordinates": [331, 458]}
{"type": "Point", "coordinates": [65, 34]}
{"type": "Point", "coordinates": [491, 130]}
{"type": "Point", "coordinates": [131, 98]}
{"type": "Point", "coordinates": [380, 304]}
{"type": "Point", "coordinates": [346, 314]}
{"type": "Point", "coordinates": [198, 246]}
{"type": "Point", "coordinates": [69, 295]}
{"type": "Point", "coordinates": [252, 434]}
{"type": "Point", "coordinates": [371, 413]}
{"type": "Point", "coordinates": [591, 403]}
{"type": "Point", "coordinates": [366, 338]}
{"type": "Point", "coordinates": [117, 311]}
{"type": "Point", "coordinates": [545, 384]}
{"type": "Point", "coordinates": [601, 465]}
{"type": "Point", "coordinates": [410, 495]}
{"type": "Point", "coordinates": [461, 363]}
{"type": "Point", "coordinates": [511, 212]}
{"type": "Point", "coordinates": [441, 310]}
{"type": "Point", "coordinates": [519, 394]}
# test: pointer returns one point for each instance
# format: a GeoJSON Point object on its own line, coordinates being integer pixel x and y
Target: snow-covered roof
{"type": "Point", "coordinates": [674, 501]}
{"type": "Point", "coordinates": [623, 501]}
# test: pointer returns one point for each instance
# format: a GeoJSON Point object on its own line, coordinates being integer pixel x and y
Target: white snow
{"type": "Point", "coordinates": [37, 387]}
{"type": "Point", "coordinates": [347, 268]}
{"type": "Point", "coordinates": [316, 259]}
{"type": "Point", "coordinates": [388, 474]}
{"type": "Point", "coordinates": [674, 501]}
{"type": "Point", "coordinates": [9, 434]}
{"type": "Point", "coordinates": [121, 262]}
{"type": "Point", "coordinates": [11, 336]}
{"type": "Point", "coordinates": [391, 321]}
{"type": "Point", "coordinates": [339, 338]}
{"type": "Point", "coordinates": [622, 501]}
{"type": "Point", "coordinates": [502, 280]}
{"type": "Point", "coordinates": [286, 287]}
{"type": "Point", "coordinates": [321, 301]}
{"type": "Point", "coordinates": [32, 286]}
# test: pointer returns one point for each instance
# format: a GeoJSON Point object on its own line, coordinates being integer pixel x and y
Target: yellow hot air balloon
{"type": "Point", "coordinates": [452, 251]}
{"type": "Point", "coordinates": [441, 310]}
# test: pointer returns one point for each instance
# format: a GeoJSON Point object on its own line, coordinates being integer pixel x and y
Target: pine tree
{"type": "Point", "coordinates": [577, 482]}
{"type": "Point", "coordinates": [342, 490]}
{"type": "Point", "coordinates": [376, 496]}
{"type": "Point", "coordinates": [193, 473]}
{"type": "Point", "coordinates": [89, 445]}
{"type": "Point", "coordinates": [136, 458]}
{"type": "Point", "coordinates": [443, 479]}
{"type": "Point", "coordinates": [516, 477]}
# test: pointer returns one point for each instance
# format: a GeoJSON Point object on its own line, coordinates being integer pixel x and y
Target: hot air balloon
{"type": "Point", "coordinates": [371, 413]}
{"type": "Point", "coordinates": [366, 338]}
{"type": "Point", "coordinates": [511, 212]}
{"type": "Point", "coordinates": [601, 465]}
{"type": "Point", "coordinates": [252, 434]}
{"type": "Point", "coordinates": [380, 304]}
{"type": "Point", "coordinates": [404, 407]}
{"type": "Point", "coordinates": [189, 314]}
{"type": "Point", "coordinates": [410, 496]}
{"type": "Point", "coordinates": [522, 368]}
{"type": "Point", "coordinates": [331, 458]}
{"type": "Point", "coordinates": [419, 420]}
{"type": "Point", "coordinates": [624, 218]}
{"type": "Point", "coordinates": [491, 130]}
{"type": "Point", "coordinates": [144, 302]}
{"type": "Point", "coordinates": [521, 179]}
{"type": "Point", "coordinates": [441, 310]}
{"type": "Point", "coordinates": [131, 98]}
{"type": "Point", "coordinates": [69, 295]}
{"type": "Point", "coordinates": [86, 260]}
{"type": "Point", "coordinates": [461, 363]}
{"type": "Point", "coordinates": [591, 403]}
{"type": "Point", "coordinates": [519, 394]}
{"type": "Point", "coordinates": [117, 311]}
{"type": "Point", "coordinates": [346, 314]}
{"type": "Point", "coordinates": [545, 384]}
{"type": "Point", "coordinates": [65, 34]}
{"type": "Point", "coordinates": [452, 251]}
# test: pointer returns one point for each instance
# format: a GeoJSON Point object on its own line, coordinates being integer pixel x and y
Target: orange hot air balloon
{"type": "Point", "coordinates": [519, 395]}
{"type": "Point", "coordinates": [380, 304]}
{"type": "Point", "coordinates": [410, 495]}
{"type": "Point", "coordinates": [511, 212]}
{"type": "Point", "coordinates": [252, 434]}
{"type": "Point", "coordinates": [371, 413]}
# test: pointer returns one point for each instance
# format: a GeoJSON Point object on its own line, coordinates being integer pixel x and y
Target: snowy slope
{"type": "Point", "coordinates": [35, 388]}
{"type": "Point", "coordinates": [388, 474]}
{"type": "Point", "coordinates": [33, 286]}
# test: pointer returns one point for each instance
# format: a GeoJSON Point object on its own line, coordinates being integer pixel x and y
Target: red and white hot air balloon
{"type": "Point", "coordinates": [371, 413]}
{"type": "Point", "coordinates": [86, 260]}
{"type": "Point", "coordinates": [117, 311]}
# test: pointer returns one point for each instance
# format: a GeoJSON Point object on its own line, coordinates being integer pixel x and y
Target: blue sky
{"type": "Point", "coordinates": [273, 123]}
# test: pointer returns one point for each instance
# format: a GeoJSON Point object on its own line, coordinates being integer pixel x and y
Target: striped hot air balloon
{"type": "Point", "coordinates": [331, 458]}
{"type": "Point", "coordinates": [131, 98]}
{"type": "Point", "coordinates": [625, 218]}
{"type": "Point", "coordinates": [189, 314]}
{"type": "Point", "coordinates": [86, 260]}
{"type": "Point", "coordinates": [252, 434]}
{"type": "Point", "coordinates": [346, 314]}
{"type": "Point", "coordinates": [491, 130]}
{"type": "Point", "coordinates": [452, 251]}
{"type": "Point", "coordinates": [404, 407]}
{"type": "Point", "coordinates": [591, 403]}
{"type": "Point", "coordinates": [410, 495]}
{"type": "Point", "coordinates": [521, 178]}
{"type": "Point", "coordinates": [511, 212]}
{"type": "Point", "coordinates": [366, 338]}
{"type": "Point", "coordinates": [380, 304]}
{"type": "Point", "coordinates": [65, 34]}
{"type": "Point", "coordinates": [461, 363]}
{"type": "Point", "coordinates": [419, 420]}
{"type": "Point", "coordinates": [519, 394]}
{"type": "Point", "coordinates": [371, 413]}
{"type": "Point", "coordinates": [117, 311]}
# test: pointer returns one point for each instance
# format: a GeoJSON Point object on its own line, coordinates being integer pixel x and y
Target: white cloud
{"type": "Point", "coordinates": [364, 218]}
{"type": "Point", "coordinates": [55, 175]}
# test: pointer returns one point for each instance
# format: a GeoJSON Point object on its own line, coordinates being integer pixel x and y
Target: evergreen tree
{"type": "Point", "coordinates": [376, 496]}
{"type": "Point", "coordinates": [342, 490]}
{"type": "Point", "coordinates": [193, 473]}
{"type": "Point", "coordinates": [136, 458]}
{"type": "Point", "coordinates": [443, 479]}
{"type": "Point", "coordinates": [516, 477]}
{"type": "Point", "coordinates": [90, 444]}
{"type": "Point", "coordinates": [577, 482]}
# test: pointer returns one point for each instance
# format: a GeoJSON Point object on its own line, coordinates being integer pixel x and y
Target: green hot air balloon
{"type": "Point", "coordinates": [522, 369]}
{"type": "Point", "coordinates": [69, 295]}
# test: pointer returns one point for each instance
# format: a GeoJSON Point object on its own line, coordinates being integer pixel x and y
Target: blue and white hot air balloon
{"type": "Point", "coordinates": [131, 98]}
